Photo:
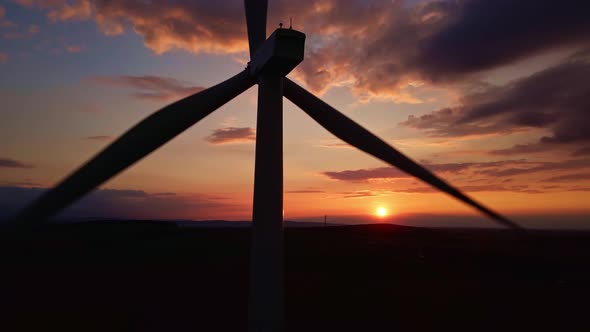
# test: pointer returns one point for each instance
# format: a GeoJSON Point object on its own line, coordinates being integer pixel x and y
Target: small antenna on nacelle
{"type": "Point", "coordinates": [290, 23]}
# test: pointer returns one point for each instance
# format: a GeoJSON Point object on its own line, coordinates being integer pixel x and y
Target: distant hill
{"type": "Point", "coordinates": [181, 223]}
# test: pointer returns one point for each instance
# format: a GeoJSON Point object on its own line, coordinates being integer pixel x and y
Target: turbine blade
{"type": "Point", "coordinates": [256, 23]}
{"type": "Point", "coordinates": [352, 133]}
{"type": "Point", "coordinates": [136, 143]}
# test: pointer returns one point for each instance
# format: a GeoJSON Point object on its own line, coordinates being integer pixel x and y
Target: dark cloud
{"type": "Point", "coordinates": [483, 34]}
{"type": "Point", "coordinates": [150, 87]}
{"type": "Point", "coordinates": [440, 41]}
{"type": "Point", "coordinates": [11, 163]}
{"type": "Point", "coordinates": [232, 135]}
{"type": "Point", "coordinates": [114, 203]}
{"type": "Point", "coordinates": [442, 123]}
{"type": "Point", "coordinates": [555, 98]}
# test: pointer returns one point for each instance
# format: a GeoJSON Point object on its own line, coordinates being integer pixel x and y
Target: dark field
{"type": "Point", "coordinates": [154, 277]}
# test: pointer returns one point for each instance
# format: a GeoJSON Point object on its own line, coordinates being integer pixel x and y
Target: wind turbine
{"type": "Point", "coordinates": [271, 60]}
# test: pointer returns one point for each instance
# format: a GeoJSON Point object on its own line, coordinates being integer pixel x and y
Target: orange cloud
{"type": "Point", "coordinates": [193, 26]}
{"type": "Point", "coordinates": [151, 87]}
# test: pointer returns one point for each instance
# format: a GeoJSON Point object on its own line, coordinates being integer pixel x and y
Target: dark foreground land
{"type": "Point", "coordinates": [154, 277]}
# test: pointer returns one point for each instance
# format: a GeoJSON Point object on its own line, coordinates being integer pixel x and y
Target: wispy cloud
{"type": "Point", "coordinates": [578, 188]}
{"type": "Point", "coordinates": [304, 191]}
{"type": "Point", "coordinates": [359, 194]}
{"type": "Point", "coordinates": [29, 32]}
{"type": "Point", "coordinates": [34, 29]}
{"type": "Point", "coordinates": [475, 188]}
{"type": "Point", "coordinates": [12, 163]}
{"type": "Point", "coordinates": [232, 135]}
{"type": "Point", "coordinates": [394, 173]}
{"type": "Point", "coordinates": [3, 58]}
{"type": "Point", "coordinates": [537, 167]}
{"type": "Point", "coordinates": [99, 138]}
{"type": "Point", "coordinates": [119, 203]}
{"type": "Point", "coordinates": [569, 177]}
{"type": "Point", "coordinates": [585, 151]}
{"type": "Point", "coordinates": [4, 22]}
{"type": "Point", "coordinates": [484, 171]}
{"type": "Point", "coordinates": [366, 174]}
{"type": "Point", "coordinates": [61, 10]}
{"type": "Point", "coordinates": [74, 49]}
{"type": "Point", "coordinates": [23, 183]}
{"type": "Point", "coordinates": [335, 145]}
{"type": "Point", "coordinates": [150, 87]}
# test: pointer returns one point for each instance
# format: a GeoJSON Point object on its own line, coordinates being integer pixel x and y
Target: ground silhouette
{"type": "Point", "coordinates": [153, 276]}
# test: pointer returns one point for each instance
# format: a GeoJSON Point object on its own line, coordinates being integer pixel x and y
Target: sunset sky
{"type": "Point", "coordinates": [493, 96]}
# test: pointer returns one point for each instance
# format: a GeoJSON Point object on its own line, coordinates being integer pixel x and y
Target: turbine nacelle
{"type": "Point", "coordinates": [279, 54]}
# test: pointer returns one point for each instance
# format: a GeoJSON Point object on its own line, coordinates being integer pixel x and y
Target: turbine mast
{"type": "Point", "coordinates": [266, 271]}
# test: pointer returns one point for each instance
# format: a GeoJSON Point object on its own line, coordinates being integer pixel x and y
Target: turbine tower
{"type": "Point", "coordinates": [272, 59]}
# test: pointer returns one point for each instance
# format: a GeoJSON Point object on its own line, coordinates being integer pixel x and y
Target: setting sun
{"type": "Point", "coordinates": [381, 212]}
